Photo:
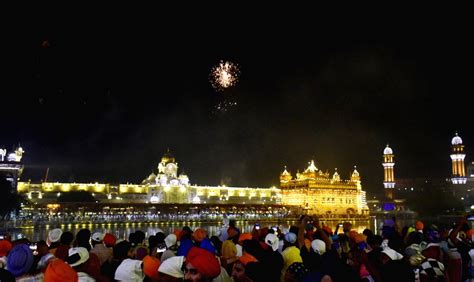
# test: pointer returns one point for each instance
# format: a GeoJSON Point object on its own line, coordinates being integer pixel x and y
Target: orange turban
{"type": "Point", "coordinates": [150, 267]}
{"type": "Point", "coordinates": [469, 234]}
{"type": "Point", "coordinates": [359, 238]}
{"type": "Point", "coordinates": [59, 271]}
{"type": "Point", "coordinates": [231, 231]}
{"type": "Point", "coordinates": [327, 229]}
{"type": "Point", "coordinates": [307, 244]}
{"type": "Point", "coordinates": [177, 232]}
{"type": "Point", "coordinates": [245, 236]}
{"type": "Point", "coordinates": [204, 261]}
{"type": "Point", "coordinates": [246, 258]}
{"type": "Point", "coordinates": [199, 234]}
{"type": "Point", "coordinates": [353, 234]}
{"type": "Point", "coordinates": [419, 225]}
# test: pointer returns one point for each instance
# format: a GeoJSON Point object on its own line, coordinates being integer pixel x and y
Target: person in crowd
{"type": "Point", "coordinates": [5, 248]}
{"type": "Point", "coordinates": [77, 259]}
{"type": "Point", "coordinates": [130, 270]}
{"type": "Point", "coordinates": [171, 270]}
{"type": "Point", "coordinates": [20, 263]}
{"type": "Point", "coordinates": [62, 251]}
{"type": "Point", "coordinates": [59, 271]}
{"type": "Point", "coordinates": [54, 236]}
{"type": "Point", "coordinates": [98, 248]}
{"type": "Point", "coordinates": [201, 265]}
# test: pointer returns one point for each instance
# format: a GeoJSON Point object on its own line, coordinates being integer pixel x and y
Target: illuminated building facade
{"type": "Point", "coordinates": [165, 186]}
{"type": "Point", "coordinates": [388, 172]}
{"type": "Point", "coordinates": [457, 159]}
{"type": "Point", "coordinates": [312, 190]}
{"type": "Point", "coordinates": [11, 166]}
{"type": "Point", "coordinates": [320, 193]}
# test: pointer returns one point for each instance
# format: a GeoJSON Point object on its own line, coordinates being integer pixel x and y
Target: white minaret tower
{"type": "Point", "coordinates": [389, 176]}
{"type": "Point", "coordinates": [457, 159]}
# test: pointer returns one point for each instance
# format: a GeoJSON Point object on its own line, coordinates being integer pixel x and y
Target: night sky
{"type": "Point", "coordinates": [101, 98]}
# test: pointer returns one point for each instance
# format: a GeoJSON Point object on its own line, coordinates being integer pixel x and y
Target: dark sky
{"type": "Point", "coordinates": [109, 93]}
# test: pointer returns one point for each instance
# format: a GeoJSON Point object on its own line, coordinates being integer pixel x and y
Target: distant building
{"type": "Point", "coordinates": [312, 190]}
{"type": "Point", "coordinates": [457, 159]}
{"type": "Point", "coordinates": [11, 166]}
{"type": "Point", "coordinates": [321, 193]}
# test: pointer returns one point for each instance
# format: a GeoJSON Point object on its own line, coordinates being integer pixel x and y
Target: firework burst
{"type": "Point", "coordinates": [224, 75]}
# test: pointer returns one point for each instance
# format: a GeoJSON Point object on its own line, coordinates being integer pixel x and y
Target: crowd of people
{"type": "Point", "coordinates": [308, 251]}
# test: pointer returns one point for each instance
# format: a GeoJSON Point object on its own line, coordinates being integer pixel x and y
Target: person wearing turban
{"type": "Point", "coordinates": [59, 271]}
{"type": "Point", "coordinates": [201, 265]}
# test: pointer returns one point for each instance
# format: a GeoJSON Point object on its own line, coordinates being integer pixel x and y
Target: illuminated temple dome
{"type": "Point", "coordinates": [285, 176]}
{"type": "Point", "coordinates": [387, 151]}
{"type": "Point", "coordinates": [456, 140]}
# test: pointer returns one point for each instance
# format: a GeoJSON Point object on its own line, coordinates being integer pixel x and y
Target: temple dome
{"type": "Point", "coordinates": [456, 140]}
{"type": "Point", "coordinates": [387, 151]}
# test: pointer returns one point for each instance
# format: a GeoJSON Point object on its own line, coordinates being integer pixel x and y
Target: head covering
{"type": "Point", "coordinates": [389, 223]}
{"type": "Point", "coordinates": [109, 239]}
{"type": "Point", "coordinates": [150, 267]}
{"type": "Point", "coordinates": [97, 236]}
{"type": "Point", "coordinates": [205, 262]}
{"type": "Point", "coordinates": [272, 241]}
{"type": "Point", "coordinates": [83, 256]}
{"type": "Point", "coordinates": [359, 238]}
{"type": "Point", "coordinates": [232, 231]}
{"type": "Point", "coordinates": [469, 234]}
{"type": "Point", "coordinates": [166, 255]}
{"type": "Point", "coordinates": [419, 225]}
{"type": "Point", "coordinates": [59, 271]}
{"type": "Point", "coordinates": [141, 252]}
{"type": "Point", "coordinates": [184, 247]}
{"type": "Point", "coordinates": [229, 250]}
{"type": "Point", "coordinates": [432, 250]}
{"type": "Point", "coordinates": [246, 258]}
{"type": "Point", "coordinates": [245, 236]}
{"type": "Point", "coordinates": [206, 244]}
{"type": "Point", "coordinates": [170, 240]}
{"type": "Point", "coordinates": [130, 270]}
{"type": "Point", "coordinates": [54, 235]}
{"type": "Point", "coordinates": [298, 270]}
{"type": "Point", "coordinates": [307, 244]}
{"type": "Point", "coordinates": [319, 246]}
{"type": "Point", "coordinates": [44, 261]}
{"type": "Point", "coordinates": [290, 237]}
{"type": "Point", "coordinates": [172, 267]}
{"type": "Point", "coordinates": [432, 269]}
{"type": "Point", "coordinates": [177, 232]}
{"type": "Point", "coordinates": [20, 260]}
{"type": "Point", "coordinates": [392, 254]}
{"type": "Point", "coordinates": [352, 235]}
{"type": "Point", "coordinates": [199, 234]}
{"type": "Point", "coordinates": [327, 229]}
{"type": "Point", "coordinates": [5, 247]}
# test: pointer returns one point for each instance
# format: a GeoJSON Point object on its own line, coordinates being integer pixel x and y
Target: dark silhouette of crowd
{"type": "Point", "coordinates": [308, 251]}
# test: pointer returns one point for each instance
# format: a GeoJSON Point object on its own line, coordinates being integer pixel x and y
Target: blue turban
{"type": "Point", "coordinates": [20, 260]}
{"type": "Point", "coordinates": [207, 245]}
{"type": "Point", "coordinates": [184, 247]}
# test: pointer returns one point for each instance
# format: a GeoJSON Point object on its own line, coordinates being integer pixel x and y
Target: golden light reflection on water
{"type": "Point", "coordinates": [122, 230]}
